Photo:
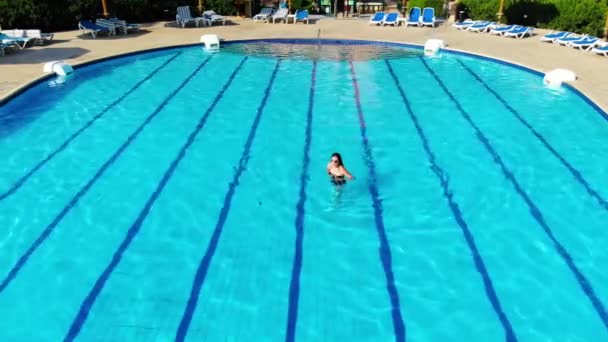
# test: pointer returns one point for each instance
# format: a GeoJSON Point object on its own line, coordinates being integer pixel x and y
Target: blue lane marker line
{"type": "Point", "coordinates": [576, 173]}
{"type": "Point", "coordinates": [74, 135]}
{"type": "Point", "coordinates": [49, 229]}
{"type": "Point", "coordinates": [294, 285]}
{"type": "Point", "coordinates": [534, 210]}
{"type": "Point", "coordinates": [203, 267]}
{"type": "Point", "coordinates": [447, 193]}
{"type": "Point", "coordinates": [385, 249]}
{"type": "Point", "coordinates": [89, 301]}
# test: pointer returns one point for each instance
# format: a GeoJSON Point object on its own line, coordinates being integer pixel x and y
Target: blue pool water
{"type": "Point", "coordinates": [180, 195]}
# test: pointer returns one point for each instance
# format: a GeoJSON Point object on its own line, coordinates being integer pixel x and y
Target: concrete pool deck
{"type": "Point", "coordinates": [17, 69]}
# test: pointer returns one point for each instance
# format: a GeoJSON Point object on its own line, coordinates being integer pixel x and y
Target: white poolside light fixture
{"type": "Point", "coordinates": [556, 77]}
{"type": "Point", "coordinates": [432, 47]}
{"type": "Point", "coordinates": [60, 68]}
{"type": "Point", "coordinates": [211, 42]}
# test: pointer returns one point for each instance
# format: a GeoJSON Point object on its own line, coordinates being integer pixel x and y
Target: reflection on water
{"type": "Point", "coordinates": [340, 52]}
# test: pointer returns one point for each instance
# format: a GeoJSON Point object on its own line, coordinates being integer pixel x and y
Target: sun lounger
{"type": "Point", "coordinates": [39, 37]}
{"type": "Point", "coordinates": [16, 37]}
{"type": "Point", "coordinates": [414, 17]}
{"type": "Point", "coordinates": [602, 50]}
{"type": "Point", "coordinates": [35, 36]}
{"type": "Point", "coordinates": [123, 26]}
{"type": "Point", "coordinates": [551, 37]}
{"type": "Point", "coordinates": [281, 14]}
{"type": "Point", "coordinates": [377, 18]}
{"type": "Point", "coordinates": [6, 46]}
{"type": "Point", "coordinates": [428, 17]}
{"type": "Point", "coordinates": [264, 14]}
{"type": "Point", "coordinates": [93, 29]}
{"type": "Point", "coordinates": [184, 17]}
{"type": "Point", "coordinates": [111, 26]}
{"type": "Point", "coordinates": [391, 19]}
{"type": "Point", "coordinates": [463, 25]}
{"type": "Point", "coordinates": [520, 32]}
{"type": "Point", "coordinates": [301, 15]}
{"type": "Point", "coordinates": [483, 26]}
{"type": "Point", "coordinates": [503, 29]}
{"type": "Point", "coordinates": [213, 17]}
{"type": "Point", "coordinates": [569, 39]}
{"type": "Point", "coordinates": [585, 44]}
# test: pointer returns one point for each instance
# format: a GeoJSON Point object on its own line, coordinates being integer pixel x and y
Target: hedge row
{"type": "Point", "coordinates": [53, 15]}
{"type": "Point", "coordinates": [582, 16]}
{"type": "Point", "coordinates": [438, 5]}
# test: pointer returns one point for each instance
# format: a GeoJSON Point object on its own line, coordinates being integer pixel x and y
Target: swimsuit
{"type": "Point", "coordinates": [337, 180]}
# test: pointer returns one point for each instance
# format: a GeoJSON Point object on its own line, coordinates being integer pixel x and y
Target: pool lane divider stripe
{"type": "Point", "coordinates": [534, 210]}
{"type": "Point", "coordinates": [385, 249]}
{"type": "Point", "coordinates": [205, 262]}
{"type": "Point", "coordinates": [576, 173]}
{"type": "Point", "coordinates": [78, 132]}
{"type": "Point", "coordinates": [294, 285]}
{"type": "Point", "coordinates": [89, 301]}
{"type": "Point", "coordinates": [74, 200]}
{"type": "Point", "coordinates": [453, 205]}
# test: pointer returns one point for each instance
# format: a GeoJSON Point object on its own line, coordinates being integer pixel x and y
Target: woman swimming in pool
{"type": "Point", "coordinates": [336, 170]}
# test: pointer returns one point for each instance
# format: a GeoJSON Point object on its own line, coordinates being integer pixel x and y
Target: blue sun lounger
{"type": "Point", "coordinates": [551, 37]}
{"type": "Point", "coordinates": [585, 44]}
{"type": "Point", "coordinates": [377, 18]}
{"type": "Point", "coordinates": [602, 50]}
{"type": "Point", "coordinates": [520, 32]}
{"type": "Point", "coordinates": [20, 42]}
{"type": "Point", "coordinates": [301, 15]}
{"type": "Point", "coordinates": [464, 25]}
{"type": "Point", "coordinates": [569, 39]}
{"type": "Point", "coordinates": [93, 29]}
{"type": "Point", "coordinates": [391, 19]}
{"type": "Point", "coordinates": [503, 29]}
{"type": "Point", "coordinates": [482, 26]}
{"type": "Point", "coordinates": [7, 45]}
{"type": "Point", "coordinates": [414, 18]}
{"type": "Point", "coordinates": [264, 14]}
{"type": "Point", "coordinates": [428, 17]}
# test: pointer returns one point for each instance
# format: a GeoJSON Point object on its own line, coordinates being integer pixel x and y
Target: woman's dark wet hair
{"type": "Point", "coordinates": [338, 156]}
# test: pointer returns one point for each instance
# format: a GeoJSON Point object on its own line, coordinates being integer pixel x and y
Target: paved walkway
{"type": "Point", "coordinates": [18, 69]}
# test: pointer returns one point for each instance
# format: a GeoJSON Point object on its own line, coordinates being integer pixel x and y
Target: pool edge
{"type": "Point", "coordinates": [587, 98]}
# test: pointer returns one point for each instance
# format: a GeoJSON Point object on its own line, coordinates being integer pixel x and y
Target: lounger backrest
{"type": "Point", "coordinates": [428, 14]}
{"type": "Point", "coordinates": [391, 17]}
{"type": "Point", "coordinates": [415, 14]}
{"type": "Point", "coordinates": [106, 23]}
{"type": "Point", "coordinates": [14, 33]}
{"type": "Point", "coordinates": [266, 11]}
{"type": "Point", "coordinates": [184, 12]}
{"type": "Point", "coordinates": [119, 23]}
{"type": "Point", "coordinates": [378, 16]}
{"type": "Point", "coordinates": [281, 13]}
{"type": "Point", "coordinates": [209, 14]}
{"type": "Point", "coordinates": [87, 24]}
{"type": "Point", "coordinates": [33, 34]}
{"type": "Point", "coordinates": [301, 14]}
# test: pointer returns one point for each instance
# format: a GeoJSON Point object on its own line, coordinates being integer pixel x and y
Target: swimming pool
{"type": "Point", "coordinates": [180, 195]}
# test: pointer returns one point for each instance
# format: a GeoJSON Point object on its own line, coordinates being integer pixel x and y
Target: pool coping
{"type": "Point", "coordinates": [588, 99]}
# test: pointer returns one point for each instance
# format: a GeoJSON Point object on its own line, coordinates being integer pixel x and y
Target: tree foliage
{"type": "Point", "coordinates": [582, 16]}
{"type": "Point", "coordinates": [56, 15]}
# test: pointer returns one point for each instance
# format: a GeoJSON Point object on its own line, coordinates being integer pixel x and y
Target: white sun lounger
{"type": "Point", "coordinates": [213, 17]}
{"type": "Point", "coordinates": [281, 14]}
{"type": "Point", "coordinates": [264, 15]}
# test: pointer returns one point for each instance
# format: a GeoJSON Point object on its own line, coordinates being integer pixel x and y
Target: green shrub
{"type": "Point", "coordinates": [481, 9]}
{"type": "Point", "coordinates": [582, 16]}
{"type": "Point", "coordinates": [436, 4]}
